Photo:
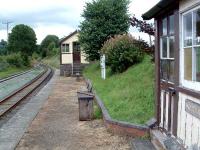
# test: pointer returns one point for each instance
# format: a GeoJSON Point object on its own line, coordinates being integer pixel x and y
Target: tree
{"type": "Point", "coordinates": [22, 39]}
{"type": "Point", "coordinates": [143, 27]}
{"type": "Point", "coordinates": [48, 42]}
{"type": "Point", "coordinates": [52, 49]}
{"type": "Point", "coordinates": [102, 19]}
{"type": "Point", "coordinates": [3, 47]}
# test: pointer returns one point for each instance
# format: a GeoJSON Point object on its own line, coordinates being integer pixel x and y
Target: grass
{"type": "Point", "coordinates": [12, 70]}
{"type": "Point", "coordinates": [128, 96]}
{"type": "Point", "coordinates": [97, 111]}
{"type": "Point", "coordinates": [53, 61]}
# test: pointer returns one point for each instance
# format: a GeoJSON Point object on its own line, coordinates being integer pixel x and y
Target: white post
{"type": "Point", "coordinates": [103, 66]}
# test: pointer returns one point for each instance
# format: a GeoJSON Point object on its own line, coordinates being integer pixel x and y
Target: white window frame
{"type": "Point", "coordinates": [186, 83]}
{"type": "Point", "coordinates": [65, 48]}
{"type": "Point", "coordinates": [168, 49]}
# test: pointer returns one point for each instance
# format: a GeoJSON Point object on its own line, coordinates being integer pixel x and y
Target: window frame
{"type": "Point", "coordinates": [191, 84]}
{"type": "Point", "coordinates": [168, 58]}
{"type": "Point", "coordinates": [76, 45]}
{"type": "Point", "coordinates": [65, 48]}
{"type": "Point", "coordinates": [168, 35]}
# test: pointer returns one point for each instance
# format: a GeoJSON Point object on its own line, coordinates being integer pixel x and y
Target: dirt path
{"type": "Point", "coordinates": [56, 126]}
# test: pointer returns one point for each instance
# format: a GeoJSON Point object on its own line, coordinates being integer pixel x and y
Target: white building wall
{"type": "Point", "coordinates": [70, 42]}
{"type": "Point", "coordinates": [188, 131]}
{"type": "Point", "coordinates": [67, 57]}
{"type": "Point", "coordinates": [83, 58]}
{"type": "Point", "coordinates": [188, 124]}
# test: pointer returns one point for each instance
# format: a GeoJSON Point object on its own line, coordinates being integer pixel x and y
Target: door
{"type": "Point", "coordinates": [167, 74]}
{"type": "Point", "coordinates": [76, 52]}
{"type": "Point", "coordinates": [167, 110]}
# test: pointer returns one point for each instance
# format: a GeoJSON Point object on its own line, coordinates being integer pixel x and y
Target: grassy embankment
{"type": "Point", "coordinates": [128, 96]}
{"type": "Point", "coordinates": [53, 61]}
{"type": "Point", "coordinates": [12, 70]}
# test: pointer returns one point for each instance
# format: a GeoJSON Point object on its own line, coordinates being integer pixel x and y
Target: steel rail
{"type": "Point", "coordinates": [9, 102]}
{"type": "Point", "coordinates": [16, 75]}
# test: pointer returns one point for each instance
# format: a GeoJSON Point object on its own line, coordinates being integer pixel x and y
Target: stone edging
{"type": "Point", "coordinates": [120, 127]}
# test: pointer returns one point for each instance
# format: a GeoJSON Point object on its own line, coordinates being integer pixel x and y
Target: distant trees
{"type": "Point", "coordinates": [3, 47]}
{"type": "Point", "coordinates": [49, 45]}
{"type": "Point", "coordinates": [22, 39]}
{"type": "Point", "coordinates": [22, 48]}
{"type": "Point", "coordinates": [102, 19]}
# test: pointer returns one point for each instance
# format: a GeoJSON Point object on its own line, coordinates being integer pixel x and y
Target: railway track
{"type": "Point", "coordinates": [16, 75]}
{"type": "Point", "coordinates": [11, 100]}
{"type": "Point", "coordinates": [13, 76]}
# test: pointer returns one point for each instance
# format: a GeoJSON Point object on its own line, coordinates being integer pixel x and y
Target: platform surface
{"type": "Point", "coordinates": [142, 144]}
{"type": "Point", "coordinates": [57, 126]}
{"type": "Point", "coordinates": [15, 124]}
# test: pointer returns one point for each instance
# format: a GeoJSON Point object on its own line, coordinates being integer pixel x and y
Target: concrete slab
{"type": "Point", "coordinates": [12, 130]}
{"type": "Point", "coordinates": [141, 144]}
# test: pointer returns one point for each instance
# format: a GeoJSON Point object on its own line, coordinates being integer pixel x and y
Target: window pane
{"type": "Point", "coordinates": [171, 47]}
{"type": "Point", "coordinates": [67, 48]}
{"type": "Point", "coordinates": [63, 47]}
{"type": "Point", "coordinates": [171, 70]}
{"type": "Point", "coordinates": [164, 47]}
{"type": "Point", "coordinates": [171, 24]}
{"type": "Point", "coordinates": [164, 25]}
{"type": "Point", "coordinates": [197, 27]}
{"type": "Point", "coordinates": [164, 69]}
{"type": "Point", "coordinates": [76, 46]}
{"type": "Point", "coordinates": [188, 64]}
{"type": "Point", "coordinates": [187, 29]}
{"type": "Point", "coordinates": [167, 70]}
{"type": "Point", "coordinates": [197, 51]}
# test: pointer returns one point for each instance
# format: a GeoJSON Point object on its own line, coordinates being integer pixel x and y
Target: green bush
{"type": "Point", "coordinates": [121, 52]}
{"type": "Point", "coordinates": [52, 50]}
{"type": "Point", "coordinates": [35, 56]}
{"type": "Point", "coordinates": [16, 59]}
{"type": "Point", "coordinates": [3, 63]}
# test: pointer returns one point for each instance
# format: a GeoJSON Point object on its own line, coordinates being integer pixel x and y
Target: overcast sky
{"type": "Point", "coordinates": [59, 17]}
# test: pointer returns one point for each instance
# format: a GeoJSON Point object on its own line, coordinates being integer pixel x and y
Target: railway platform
{"type": "Point", "coordinates": [49, 121]}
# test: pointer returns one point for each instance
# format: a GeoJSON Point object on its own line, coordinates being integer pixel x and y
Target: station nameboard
{"type": "Point", "coordinates": [192, 108]}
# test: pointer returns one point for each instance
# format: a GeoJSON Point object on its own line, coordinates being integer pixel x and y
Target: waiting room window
{"type": "Point", "coordinates": [167, 49]}
{"type": "Point", "coordinates": [65, 48]}
{"type": "Point", "coordinates": [191, 45]}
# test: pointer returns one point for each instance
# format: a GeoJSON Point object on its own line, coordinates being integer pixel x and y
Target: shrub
{"type": "Point", "coordinates": [35, 56]}
{"type": "Point", "coordinates": [145, 47]}
{"type": "Point", "coordinates": [15, 59]}
{"type": "Point", "coordinates": [52, 50]}
{"type": "Point", "coordinates": [121, 52]}
{"type": "Point", "coordinates": [3, 63]}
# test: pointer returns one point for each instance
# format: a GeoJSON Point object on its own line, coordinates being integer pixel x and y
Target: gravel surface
{"type": "Point", "coordinates": [14, 124]}
{"type": "Point", "coordinates": [56, 127]}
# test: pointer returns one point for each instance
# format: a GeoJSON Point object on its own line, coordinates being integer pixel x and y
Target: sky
{"type": "Point", "coordinates": [58, 17]}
